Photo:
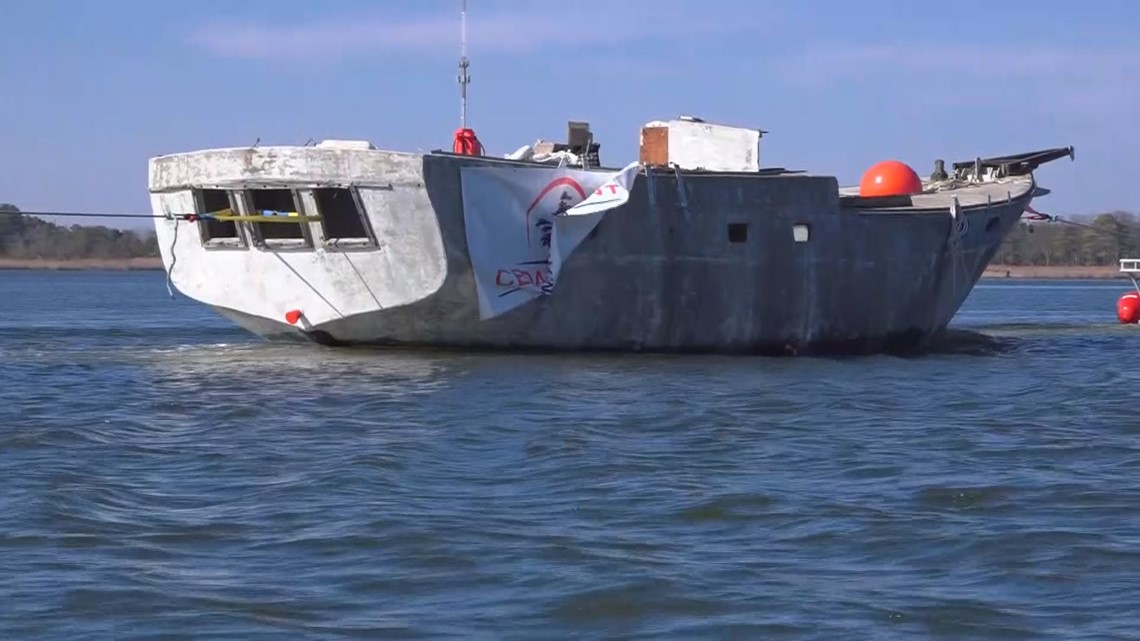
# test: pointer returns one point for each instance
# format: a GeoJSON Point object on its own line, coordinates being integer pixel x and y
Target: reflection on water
{"type": "Point", "coordinates": [167, 472]}
{"type": "Point", "coordinates": [255, 361]}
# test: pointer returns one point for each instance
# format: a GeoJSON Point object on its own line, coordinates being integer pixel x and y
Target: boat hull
{"type": "Point", "coordinates": [665, 272]}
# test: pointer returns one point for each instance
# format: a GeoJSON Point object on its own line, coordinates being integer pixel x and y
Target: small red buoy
{"type": "Point", "coordinates": [292, 316]}
{"type": "Point", "coordinates": [1128, 308]}
{"type": "Point", "coordinates": [890, 178]}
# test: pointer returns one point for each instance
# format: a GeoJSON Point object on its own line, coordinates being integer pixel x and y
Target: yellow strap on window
{"type": "Point", "coordinates": [227, 214]}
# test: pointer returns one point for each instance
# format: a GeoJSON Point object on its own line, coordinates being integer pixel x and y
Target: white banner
{"type": "Point", "coordinates": [524, 222]}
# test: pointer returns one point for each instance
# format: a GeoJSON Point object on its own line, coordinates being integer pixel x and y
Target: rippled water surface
{"type": "Point", "coordinates": [166, 475]}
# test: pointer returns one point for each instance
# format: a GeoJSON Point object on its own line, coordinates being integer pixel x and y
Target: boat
{"type": "Point", "coordinates": [694, 247]}
{"type": "Point", "coordinates": [1128, 305]}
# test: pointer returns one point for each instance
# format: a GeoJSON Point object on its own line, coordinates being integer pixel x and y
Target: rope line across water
{"type": "Point", "coordinates": [267, 216]}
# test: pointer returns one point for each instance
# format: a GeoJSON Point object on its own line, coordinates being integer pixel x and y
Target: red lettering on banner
{"type": "Point", "coordinates": [612, 186]}
{"type": "Point", "coordinates": [517, 278]}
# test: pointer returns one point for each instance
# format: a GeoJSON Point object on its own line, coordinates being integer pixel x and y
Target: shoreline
{"type": "Point", "coordinates": [1054, 272]}
{"type": "Point", "coordinates": [154, 263]}
{"type": "Point", "coordinates": [149, 263]}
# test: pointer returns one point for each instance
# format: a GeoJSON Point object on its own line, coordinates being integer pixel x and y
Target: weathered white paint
{"type": "Point", "coordinates": [268, 166]}
{"type": "Point", "coordinates": [407, 265]}
{"type": "Point", "coordinates": [711, 147]}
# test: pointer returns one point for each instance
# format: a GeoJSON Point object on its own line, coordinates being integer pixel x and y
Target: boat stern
{"type": "Point", "coordinates": [299, 236]}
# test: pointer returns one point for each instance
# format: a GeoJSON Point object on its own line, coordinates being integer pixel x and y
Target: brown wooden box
{"type": "Point", "coordinates": [654, 146]}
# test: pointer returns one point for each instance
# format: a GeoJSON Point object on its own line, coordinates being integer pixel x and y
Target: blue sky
{"type": "Point", "coordinates": [90, 90]}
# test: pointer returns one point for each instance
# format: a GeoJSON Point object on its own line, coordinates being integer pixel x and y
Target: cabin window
{"type": "Point", "coordinates": [279, 203]}
{"type": "Point", "coordinates": [737, 232]}
{"type": "Point", "coordinates": [801, 232]}
{"type": "Point", "coordinates": [216, 232]}
{"type": "Point", "coordinates": [342, 217]}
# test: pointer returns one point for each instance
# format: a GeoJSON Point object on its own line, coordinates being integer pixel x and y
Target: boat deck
{"type": "Point", "coordinates": [942, 195]}
{"type": "Point", "coordinates": [1130, 267]}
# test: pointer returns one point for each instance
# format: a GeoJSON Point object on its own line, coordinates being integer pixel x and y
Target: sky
{"type": "Point", "coordinates": [90, 90]}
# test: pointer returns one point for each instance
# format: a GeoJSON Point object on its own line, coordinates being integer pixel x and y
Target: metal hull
{"type": "Point", "coordinates": [658, 275]}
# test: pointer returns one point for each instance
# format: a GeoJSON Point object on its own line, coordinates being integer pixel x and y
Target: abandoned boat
{"type": "Point", "coordinates": [1128, 305]}
{"type": "Point", "coordinates": [693, 248]}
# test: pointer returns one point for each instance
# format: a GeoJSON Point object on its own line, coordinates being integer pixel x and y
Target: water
{"type": "Point", "coordinates": [166, 475]}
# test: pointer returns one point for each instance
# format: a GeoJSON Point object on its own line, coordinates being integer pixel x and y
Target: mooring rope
{"type": "Point", "coordinates": [262, 216]}
{"type": "Point", "coordinates": [959, 227]}
{"type": "Point", "coordinates": [682, 198]}
{"type": "Point", "coordinates": [173, 259]}
{"type": "Point", "coordinates": [226, 215]}
{"type": "Point", "coordinates": [1049, 218]}
{"type": "Point", "coordinates": [84, 214]}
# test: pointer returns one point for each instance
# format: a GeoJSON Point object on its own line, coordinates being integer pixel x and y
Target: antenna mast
{"type": "Point", "coordinates": [464, 78]}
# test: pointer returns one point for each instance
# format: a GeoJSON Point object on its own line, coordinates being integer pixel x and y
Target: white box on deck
{"type": "Point", "coordinates": [695, 144]}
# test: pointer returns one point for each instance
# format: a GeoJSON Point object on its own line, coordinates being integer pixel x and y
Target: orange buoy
{"type": "Point", "coordinates": [1128, 308]}
{"type": "Point", "coordinates": [890, 178]}
{"type": "Point", "coordinates": [292, 316]}
{"type": "Point", "coordinates": [466, 143]}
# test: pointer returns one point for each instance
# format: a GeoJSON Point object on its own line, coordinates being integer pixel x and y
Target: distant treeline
{"type": "Point", "coordinates": [1097, 240]}
{"type": "Point", "coordinates": [30, 237]}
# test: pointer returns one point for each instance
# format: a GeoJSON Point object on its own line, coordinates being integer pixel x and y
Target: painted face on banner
{"type": "Point", "coordinates": [556, 197]}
